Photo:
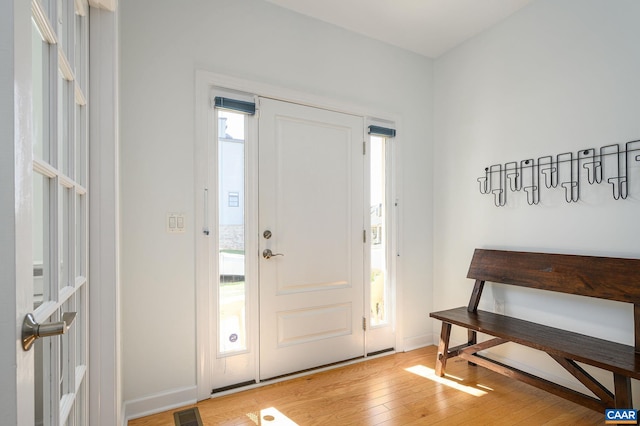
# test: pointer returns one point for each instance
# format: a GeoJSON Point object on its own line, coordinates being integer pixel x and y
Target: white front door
{"type": "Point", "coordinates": [311, 198]}
{"type": "Point", "coordinates": [294, 255]}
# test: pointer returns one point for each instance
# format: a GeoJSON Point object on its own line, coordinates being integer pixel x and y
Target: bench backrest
{"type": "Point", "coordinates": [602, 277]}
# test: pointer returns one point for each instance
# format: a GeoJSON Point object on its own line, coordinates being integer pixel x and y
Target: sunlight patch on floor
{"type": "Point", "coordinates": [484, 387]}
{"type": "Point", "coordinates": [429, 373]}
{"type": "Point", "coordinates": [271, 416]}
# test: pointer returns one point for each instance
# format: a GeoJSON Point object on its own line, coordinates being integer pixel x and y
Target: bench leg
{"type": "Point", "coordinates": [622, 385]}
{"type": "Point", "coordinates": [443, 349]}
{"type": "Point", "coordinates": [472, 339]}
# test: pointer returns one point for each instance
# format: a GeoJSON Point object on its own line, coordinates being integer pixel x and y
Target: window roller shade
{"type": "Point", "coordinates": [382, 131]}
{"type": "Point", "coordinates": [235, 105]}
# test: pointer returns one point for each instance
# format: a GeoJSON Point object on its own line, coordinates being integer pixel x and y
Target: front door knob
{"type": "Point", "coordinates": [268, 254]}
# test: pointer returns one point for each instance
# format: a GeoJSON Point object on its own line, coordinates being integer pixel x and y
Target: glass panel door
{"type": "Point", "coordinates": [59, 219]}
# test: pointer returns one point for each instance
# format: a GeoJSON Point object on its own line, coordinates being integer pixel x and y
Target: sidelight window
{"type": "Point", "coordinates": [232, 327]}
{"type": "Point", "coordinates": [378, 202]}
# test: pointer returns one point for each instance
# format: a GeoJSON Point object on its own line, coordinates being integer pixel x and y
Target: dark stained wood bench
{"type": "Point", "coordinates": [601, 277]}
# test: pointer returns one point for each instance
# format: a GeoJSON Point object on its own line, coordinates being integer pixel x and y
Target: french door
{"type": "Point", "coordinates": [50, 184]}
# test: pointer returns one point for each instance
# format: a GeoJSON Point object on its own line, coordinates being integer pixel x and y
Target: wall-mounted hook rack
{"type": "Point", "coordinates": [632, 146]}
{"type": "Point", "coordinates": [484, 182]}
{"type": "Point", "coordinates": [529, 181]}
{"type": "Point", "coordinates": [592, 165]}
{"type": "Point", "coordinates": [569, 179]}
{"type": "Point", "coordinates": [609, 164]}
{"type": "Point", "coordinates": [497, 179]}
{"type": "Point", "coordinates": [613, 170]}
{"type": "Point", "coordinates": [548, 169]}
{"type": "Point", "coordinates": [513, 176]}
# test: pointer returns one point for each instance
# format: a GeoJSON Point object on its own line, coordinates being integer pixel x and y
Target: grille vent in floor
{"type": "Point", "coordinates": [189, 417]}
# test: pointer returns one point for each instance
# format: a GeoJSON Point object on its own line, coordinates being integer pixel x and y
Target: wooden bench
{"type": "Point", "coordinates": [600, 277]}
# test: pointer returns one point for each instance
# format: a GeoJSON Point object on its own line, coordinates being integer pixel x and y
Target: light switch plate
{"type": "Point", "coordinates": [176, 223]}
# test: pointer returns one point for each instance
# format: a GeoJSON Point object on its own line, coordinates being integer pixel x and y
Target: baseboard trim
{"type": "Point", "coordinates": [417, 342]}
{"type": "Point", "coordinates": [157, 403]}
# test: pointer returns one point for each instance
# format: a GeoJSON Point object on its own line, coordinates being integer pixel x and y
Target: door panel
{"type": "Point", "coordinates": [314, 323]}
{"type": "Point", "coordinates": [58, 215]}
{"type": "Point", "coordinates": [311, 199]}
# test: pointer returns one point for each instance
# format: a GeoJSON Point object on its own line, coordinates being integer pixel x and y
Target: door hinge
{"type": "Point", "coordinates": [364, 235]}
{"type": "Point", "coordinates": [364, 323]}
{"type": "Point", "coordinates": [364, 147]}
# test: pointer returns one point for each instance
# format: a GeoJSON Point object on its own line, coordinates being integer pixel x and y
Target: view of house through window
{"type": "Point", "coordinates": [231, 236]}
{"type": "Point", "coordinates": [379, 282]}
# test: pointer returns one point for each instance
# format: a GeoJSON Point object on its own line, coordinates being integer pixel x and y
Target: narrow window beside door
{"type": "Point", "coordinates": [379, 281]}
{"type": "Point", "coordinates": [232, 325]}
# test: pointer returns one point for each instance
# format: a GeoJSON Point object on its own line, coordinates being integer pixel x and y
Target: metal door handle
{"type": "Point", "coordinates": [268, 254]}
{"type": "Point", "coordinates": [31, 330]}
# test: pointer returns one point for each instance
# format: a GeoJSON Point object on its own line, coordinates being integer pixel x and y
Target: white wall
{"type": "Point", "coordinates": [162, 45]}
{"type": "Point", "coordinates": [558, 76]}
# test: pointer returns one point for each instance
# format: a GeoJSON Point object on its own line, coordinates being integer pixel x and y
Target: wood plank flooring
{"type": "Point", "coordinates": [391, 390]}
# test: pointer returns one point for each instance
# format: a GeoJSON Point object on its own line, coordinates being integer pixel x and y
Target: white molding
{"type": "Point", "coordinates": [45, 310]}
{"type": "Point", "coordinates": [110, 5]}
{"type": "Point", "coordinates": [417, 342]}
{"type": "Point", "coordinates": [80, 281]}
{"type": "Point", "coordinates": [204, 322]}
{"type": "Point", "coordinates": [65, 66]}
{"type": "Point", "coordinates": [42, 22]}
{"type": "Point", "coordinates": [81, 7]}
{"type": "Point", "coordinates": [80, 190]}
{"type": "Point", "coordinates": [65, 181]}
{"type": "Point", "coordinates": [159, 402]}
{"type": "Point", "coordinates": [44, 168]}
{"type": "Point", "coordinates": [79, 95]}
{"type": "Point", "coordinates": [66, 403]}
{"type": "Point", "coordinates": [104, 376]}
{"type": "Point", "coordinates": [396, 234]}
{"type": "Point", "coordinates": [290, 95]}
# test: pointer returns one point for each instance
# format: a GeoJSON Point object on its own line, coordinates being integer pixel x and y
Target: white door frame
{"type": "Point", "coordinates": [205, 81]}
{"type": "Point", "coordinates": [105, 389]}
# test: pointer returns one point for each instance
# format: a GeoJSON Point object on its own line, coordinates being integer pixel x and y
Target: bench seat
{"type": "Point", "coordinates": [615, 357]}
{"type": "Point", "coordinates": [604, 278]}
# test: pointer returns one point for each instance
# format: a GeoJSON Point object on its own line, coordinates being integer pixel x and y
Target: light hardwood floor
{"type": "Point", "coordinates": [394, 390]}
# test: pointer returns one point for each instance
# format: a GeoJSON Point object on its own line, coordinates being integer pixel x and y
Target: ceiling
{"type": "Point", "coordinates": [426, 27]}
